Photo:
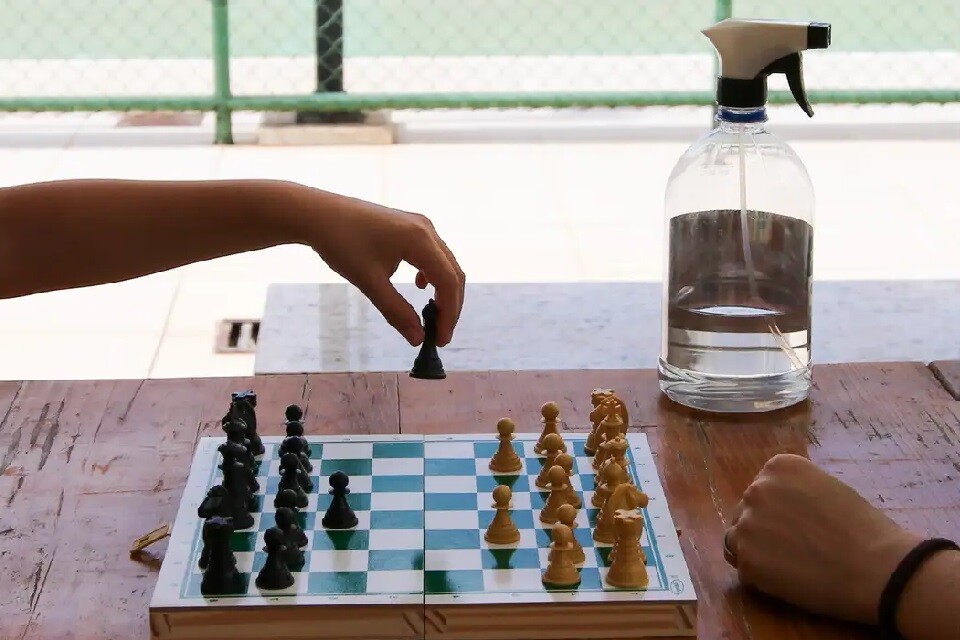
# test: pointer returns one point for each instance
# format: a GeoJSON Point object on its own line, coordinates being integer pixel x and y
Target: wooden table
{"type": "Point", "coordinates": [87, 467]}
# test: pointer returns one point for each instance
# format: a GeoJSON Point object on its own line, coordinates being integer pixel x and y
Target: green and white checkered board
{"type": "Point", "coordinates": [423, 504]}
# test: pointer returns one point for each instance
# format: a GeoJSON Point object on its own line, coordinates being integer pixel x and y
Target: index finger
{"type": "Point", "coordinates": [430, 258]}
{"type": "Point", "coordinates": [461, 279]}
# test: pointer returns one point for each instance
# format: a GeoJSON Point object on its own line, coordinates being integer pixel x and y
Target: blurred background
{"type": "Point", "coordinates": [537, 134]}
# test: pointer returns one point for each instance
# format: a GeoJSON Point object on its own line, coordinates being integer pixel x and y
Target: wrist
{"type": "Point", "coordinates": [912, 596]}
{"type": "Point", "coordinates": [289, 211]}
{"type": "Point", "coordinates": [881, 553]}
{"type": "Point", "coordinates": [310, 216]}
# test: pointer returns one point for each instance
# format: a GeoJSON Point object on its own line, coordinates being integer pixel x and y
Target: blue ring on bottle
{"type": "Point", "coordinates": [741, 115]}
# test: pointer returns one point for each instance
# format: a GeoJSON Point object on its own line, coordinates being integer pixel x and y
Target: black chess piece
{"type": "Point", "coordinates": [294, 428]}
{"type": "Point", "coordinates": [239, 497]}
{"type": "Point", "coordinates": [339, 515]}
{"type": "Point", "coordinates": [427, 365]}
{"type": "Point", "coordinates": [296, 445]}
{"type": "Point", "coordinates": [236, 430]}
{"type": "Point", "coordinates": [286, 521]}
{"type": "Point", "coordinates": [275, 573]}
{"type": "Point", "coordinates": [233, 452]}
{"type": "Point", "coordinates": [287, 498]}
{"type": "Point", "coordinates": [220, 575]}
{"type": "Point", "coordinates": [215, 504]}
{"type": "Point", "coordinates": [294, 425]}
{"type": "Point", "coordinates": [243, 405]}
{"type": "Point", "coordinates": [293, 413]}
{"type": "Point", "coordinates": [291, 477]}
{"type": "Point", "coordinates": [290, 461]}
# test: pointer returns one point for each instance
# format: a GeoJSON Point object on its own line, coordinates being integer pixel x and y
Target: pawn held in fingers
{"type": "Point", "coordinates": [438, 266]}
{"type": "Point", "coordinates": [366, 242]}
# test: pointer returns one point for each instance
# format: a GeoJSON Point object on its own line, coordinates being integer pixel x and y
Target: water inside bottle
{"type": "Point", "coordinates": [737, 339]}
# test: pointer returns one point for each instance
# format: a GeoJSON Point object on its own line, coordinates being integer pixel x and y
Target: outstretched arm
{"type": "Point", "coordinates": [60, 235]}
{"type": "Point", "coordinates": [75, 233]}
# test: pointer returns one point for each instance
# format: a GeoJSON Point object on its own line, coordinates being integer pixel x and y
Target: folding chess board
{"type": "Point", "coordinates": [417, 565]}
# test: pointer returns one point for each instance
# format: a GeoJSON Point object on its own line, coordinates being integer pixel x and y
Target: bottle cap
{"type": "Point", "coordinates": [750, 51]}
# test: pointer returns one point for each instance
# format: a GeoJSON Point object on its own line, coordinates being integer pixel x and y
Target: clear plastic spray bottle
{"type": "Point", "coordinates": [739, 214]}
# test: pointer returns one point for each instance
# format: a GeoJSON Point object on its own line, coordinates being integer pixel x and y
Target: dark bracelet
{"type": "Point", "coordinates": [890, 598]}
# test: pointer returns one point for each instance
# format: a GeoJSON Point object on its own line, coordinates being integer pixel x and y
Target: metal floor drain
{"type": "Point", "coordinates": [238, 336]}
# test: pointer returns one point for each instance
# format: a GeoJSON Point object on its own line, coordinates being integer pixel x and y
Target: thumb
{"type": "Point", "coordinates": [395, 309]}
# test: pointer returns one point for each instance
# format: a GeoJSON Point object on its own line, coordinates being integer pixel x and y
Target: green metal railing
{"type": "Point", "coordinates": [223, 103]}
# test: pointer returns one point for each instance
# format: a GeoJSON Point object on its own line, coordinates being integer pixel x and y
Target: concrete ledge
{"type": "Point", "coordinates": [325, 134]}
{"type": "Point", "coordinates": [308, 328]}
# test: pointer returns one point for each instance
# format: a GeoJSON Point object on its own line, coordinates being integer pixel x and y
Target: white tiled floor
{"type": "Point", "coordinates": [521, 212]}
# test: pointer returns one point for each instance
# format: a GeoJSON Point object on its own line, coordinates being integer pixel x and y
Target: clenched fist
{"type": "Point", "coordinates": [803, 536]}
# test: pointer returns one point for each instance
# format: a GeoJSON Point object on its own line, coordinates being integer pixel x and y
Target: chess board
{"type": "Point", "coordinates": [417, 566]}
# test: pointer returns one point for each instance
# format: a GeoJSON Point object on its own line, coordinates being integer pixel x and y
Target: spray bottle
{"type": "Point", "coordinates": [739, 223]}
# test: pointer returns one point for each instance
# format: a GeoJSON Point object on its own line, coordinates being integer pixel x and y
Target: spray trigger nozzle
{"type": "Point", "coordinates": [751, 50]}
{"type": "Point", "coordinates": [791, 66]}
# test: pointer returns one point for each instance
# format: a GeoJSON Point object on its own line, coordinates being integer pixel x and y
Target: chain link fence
{"type": "Point", "coordinates": [340, 55]}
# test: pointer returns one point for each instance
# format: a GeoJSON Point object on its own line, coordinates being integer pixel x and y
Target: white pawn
{"type": "Point", "coordinates": [613, 476]}
{"type": "Point", "coordinates": [550, 413]}
{"type": "Point", "coordinates": [616, 452]}
{"type": "Point", "coordinates": [559, 483]}
{"type": "Point", "coordinates": [565, 460]}
{"type": "Point", "coordinates": [505, 460]}
{"type": "Point", "coordinates": [553, 444]}
{"type": "Point", "coordinates": [561, 570]}
{"type": "Point", "coordinates": [502, 530]}
{"type": "Point", "coordinates": [568, 518]}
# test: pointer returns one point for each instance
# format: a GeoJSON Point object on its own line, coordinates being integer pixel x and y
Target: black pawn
{"type": "Point", "coordinates": [275, 573]}
{"type": "Point", "coordinates": [294, 425]}
{"type": "Point", "coordinates": [236, 433]}
{"type": "Point", "coordinates": [291, 460]}
{"type": "Point", "coordinates": [287, 498]}
{"type": "Point", "coordinates": [286, 521]}
{"type": "Point", "coordinates": [290, 478]}
{"type": "Point", "coordinates": [427, 365]}
{"type": "Point", "coordinates": [295, 444]}
{"type": "Point", "coordinates": [220, 575]}
{"type": "Point", "coordinates": [233, 452]}
{"type": "Point", "coordinates": [339, 515]}
{"type": "Point", "coordinates": [294, 428]}
{"type": "Point", "coordinates": [293, 413]}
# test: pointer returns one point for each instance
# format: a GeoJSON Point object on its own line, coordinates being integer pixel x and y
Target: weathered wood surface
{"type": "Point", "coordinates": [948, 372]}
{"type": "Point", "coordinates": [87, 467]}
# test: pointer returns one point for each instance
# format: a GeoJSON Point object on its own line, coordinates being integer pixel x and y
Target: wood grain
{"type": "Point", "coordinates": [86, 467]}
{"type": "Point", "coordinates": [466, 402]}
{"type": "Point", "coordinates": [582, 621]}
{"type": "Point", "coordinates": [886, 427]}
{"type": "Point", "coordinates": [91, 466]}
{"type": "Point", "coordinates": [948, 373]}
{"type": "Point", "coordinates": [400, 622]}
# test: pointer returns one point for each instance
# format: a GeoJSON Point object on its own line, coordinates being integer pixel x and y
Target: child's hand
{"type": "Point", "coordinates": [365, 244]}
{"type": "Point", "coordinates": [802, 535]}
